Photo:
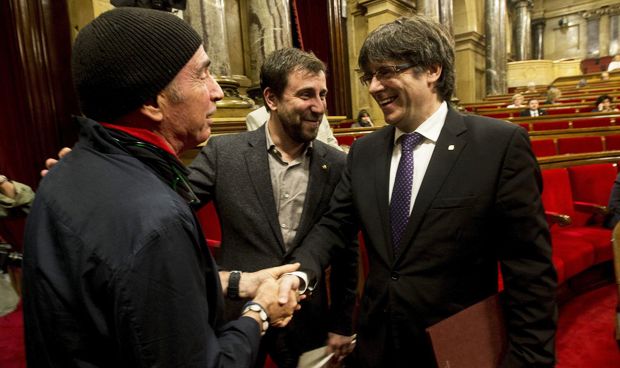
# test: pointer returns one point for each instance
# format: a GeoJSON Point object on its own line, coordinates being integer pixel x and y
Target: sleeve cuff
{"type": "Point", "coordinates": [303, 278]}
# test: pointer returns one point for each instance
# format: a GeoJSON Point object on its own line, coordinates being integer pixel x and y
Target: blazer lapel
{"type": "Point", "coordinates": [439, 167]}
{"type": "Point", "coordinates": [382, 189]}
{"type": "Point", "coordinates": [257, 164]}
{"type": "Point", "coordinates": [319, 174]}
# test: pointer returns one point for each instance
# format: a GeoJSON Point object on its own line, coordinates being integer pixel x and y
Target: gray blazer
{"type": "Point", "coordinates": [233, 171]}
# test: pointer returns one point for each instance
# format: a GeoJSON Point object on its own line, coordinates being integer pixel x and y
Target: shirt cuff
{"type": "Point", "coordinates": [303, 278]}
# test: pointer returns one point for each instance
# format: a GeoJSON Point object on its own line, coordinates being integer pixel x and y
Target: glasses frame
{"type": "Point", "coordinates": [384, 72]}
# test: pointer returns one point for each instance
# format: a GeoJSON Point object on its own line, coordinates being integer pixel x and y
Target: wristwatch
{"type": "Point", "coordinates": [255, 307]}
{"type": "Point", "coordinates": [3, 179]}
{"type": "Point", "coordinates": [233, 284]}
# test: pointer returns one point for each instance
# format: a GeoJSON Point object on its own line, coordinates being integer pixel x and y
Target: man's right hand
{"type": "Point", "coordinates": [50, 162]}
{"type": "Point", "coordinates": [267, 296]}
{"type": "Point", "coordinates": [250, 281]}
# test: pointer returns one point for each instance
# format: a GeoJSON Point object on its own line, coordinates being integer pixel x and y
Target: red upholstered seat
{"type": "Point", "coordinates": [560, 268]}
{"type": "Point", "coordinates": [576, 255]}
{"type": "Point", "coordinates": [592, 122]}
{"type": "Point", "coordinates": [345, 139]}
{"type": "Point", "coordinates": [558, 197]}
{"type": "Point", "coordinates": [210, 223]}
{"type": "Point", "coordinates": [561, 110]}
{"type": "Point", "coordinates": [499, 114]}
{"type": "Point", "coordinates": [598, 238]}
{"type": "Point", "coordinates": [544, 147]}
{"type": "Point", "coordinates": [580, 145]}
{"type": "Point", "coordinates": [592, 183]}
{"type": "Point", "coordinates": [612, 142]}
{"type": "Point", "coordinates": [549, 125]}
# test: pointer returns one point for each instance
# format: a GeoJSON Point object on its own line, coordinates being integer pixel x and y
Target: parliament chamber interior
{"type": "Point", "coordinates": [503, 49]}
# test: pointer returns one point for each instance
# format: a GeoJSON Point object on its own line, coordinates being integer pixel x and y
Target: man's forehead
{"type": "Point", "coordinates": [307, 77]}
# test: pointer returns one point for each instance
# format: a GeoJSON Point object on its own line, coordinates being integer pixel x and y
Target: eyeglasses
{"type": "Point", "coordinates": [385, 72]}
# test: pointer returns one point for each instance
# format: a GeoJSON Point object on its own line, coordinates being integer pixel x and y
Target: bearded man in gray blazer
{"type": "Point", "coordinates": [269, 187]}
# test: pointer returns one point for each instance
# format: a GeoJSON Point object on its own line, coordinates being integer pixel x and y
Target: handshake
{"type": "Point", "coordinates": [274, 294]}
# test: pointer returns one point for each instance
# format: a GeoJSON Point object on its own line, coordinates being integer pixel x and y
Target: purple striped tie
{"type": "Point", "coordinates": [401, 192]}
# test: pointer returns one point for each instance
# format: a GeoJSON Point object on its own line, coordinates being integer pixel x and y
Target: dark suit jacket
{"type": "Point", "coordinates": [527, 112]}
{"type": "Point", "coordinates": [233, 171]}
{"type": "Point", "coordinates": [479, 203]}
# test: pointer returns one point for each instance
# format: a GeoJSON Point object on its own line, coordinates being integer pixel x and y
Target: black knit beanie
{"type": "Point", "coordinates": [126, 56]}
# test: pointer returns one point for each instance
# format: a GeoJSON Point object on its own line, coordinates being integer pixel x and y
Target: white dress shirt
{"type": "Point", "coordinates": [422, 153]}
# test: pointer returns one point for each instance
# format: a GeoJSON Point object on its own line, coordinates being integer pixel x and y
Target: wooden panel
{"type": "Point", "coordinates": [36, 90]}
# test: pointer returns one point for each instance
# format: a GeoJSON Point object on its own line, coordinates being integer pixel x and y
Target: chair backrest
{"type": "Point", "coordinates": [210, 222]}
{"type": "Point", "coordinates": [557, 195]}
{"type": "Point", "coordinates": [612, 142]}
{"type": "Point", "coordinates": [544, 147]}
{"type": "Point", "coordinates": [550, 125]}
{"type": "Point", "coordinates": [592, 122]}
{"type": "Point", "coordinates": [345, 139]}
{"type": "Point", "coordinates": [592, 183]}
{"type": "Point", "coordinates": [579, 145]}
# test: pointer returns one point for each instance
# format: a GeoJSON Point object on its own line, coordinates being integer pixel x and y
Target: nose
{"type": "Point", "coordinates": [318, 105]}
{"type": "Point", "coordinates": [215, 90]}
{"type": "Point", "coordinates": [375, 85]}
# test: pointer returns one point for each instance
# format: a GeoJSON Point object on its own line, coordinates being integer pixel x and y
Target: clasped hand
{"type": "Point", "coordinates": [275, 290]}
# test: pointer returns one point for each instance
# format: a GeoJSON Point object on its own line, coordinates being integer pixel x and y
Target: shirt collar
{"type": "Point", "coordinates": [143, 134]}
{"type": "Point", "coordinates": [431, 127]}
{"type": "Point", "coordinates": [271, 147]}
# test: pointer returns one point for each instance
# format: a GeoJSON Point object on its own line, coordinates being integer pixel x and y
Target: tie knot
{"type": "Point", "coordinates": [409, 141]}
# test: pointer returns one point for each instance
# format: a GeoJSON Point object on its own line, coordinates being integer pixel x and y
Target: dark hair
{"type": "Point", "coordinates": [602, 98]}
{"type": "Point", "coordinates": [361, 114]}
{"type": "Point", "coordinates": [280, 63]}
{"type": "Point", "coordinates": [418, 40]}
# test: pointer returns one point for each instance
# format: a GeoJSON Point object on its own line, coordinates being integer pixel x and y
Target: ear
{"type": "Point", "coordinates": [434, 72]}
{"type": "Point", "coordinates": [270, 98]}
{"type": "Point", "coordinates": [153, 110]}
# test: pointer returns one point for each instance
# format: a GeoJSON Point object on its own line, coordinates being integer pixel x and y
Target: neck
{"type": "Point", "coordinates": [137, 120]}
{"type": "Point", "coordinates": [289, 148]}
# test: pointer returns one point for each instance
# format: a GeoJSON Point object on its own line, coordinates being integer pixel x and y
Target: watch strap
{"type": "Point", "coordinates": [255, 307]}
{"type": "Point", "coordinates": [233, 284]}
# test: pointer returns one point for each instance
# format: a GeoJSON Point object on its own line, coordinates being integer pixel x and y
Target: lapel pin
{"type": "Point", "coordinates": [451, 147]}
{"type": "Point", "coordinates": [324, 167]}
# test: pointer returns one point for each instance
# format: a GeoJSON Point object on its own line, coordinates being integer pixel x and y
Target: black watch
{"type": "Point", "coordinates": [233, 284]}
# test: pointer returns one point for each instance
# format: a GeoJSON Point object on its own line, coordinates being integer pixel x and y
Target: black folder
{"type": "Point", "coordinates": [473, 338]}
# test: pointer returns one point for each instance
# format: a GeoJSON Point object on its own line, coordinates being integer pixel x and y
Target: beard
{"type": "Point", "coordinates": [297, 127]}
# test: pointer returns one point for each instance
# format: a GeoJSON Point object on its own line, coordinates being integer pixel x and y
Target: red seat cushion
{"type": "Point", "coordinates": [577, 255]}
{"type": "Point", "coordinates": [599, 238]}
{"type": "Point", "coordinates": [560, 268]}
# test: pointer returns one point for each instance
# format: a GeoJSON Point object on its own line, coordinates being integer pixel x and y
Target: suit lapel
{"type": "Point", "coordinates": [257, 164]}
{"type": "Point", "coordinates": [319, 174]}
{"type": "Point", "coordinates": [382, 189]}
{"type": "Point", "coordinates": [439, 167]}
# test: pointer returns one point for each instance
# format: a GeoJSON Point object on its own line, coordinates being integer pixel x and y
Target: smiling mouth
{"type": "Point", "coordinates": [386, 101]}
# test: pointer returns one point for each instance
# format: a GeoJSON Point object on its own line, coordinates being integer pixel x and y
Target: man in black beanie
{"type": "Point", "coordinates": [116, 269]}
